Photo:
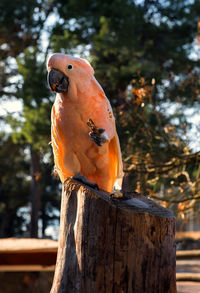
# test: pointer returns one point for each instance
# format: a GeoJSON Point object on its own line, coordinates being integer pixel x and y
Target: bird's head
{"type": "Point", "coordinates": [67, 74]}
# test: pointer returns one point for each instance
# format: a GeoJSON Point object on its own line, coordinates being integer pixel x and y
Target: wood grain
{"type": "Point", "coordinates": [113, 245]}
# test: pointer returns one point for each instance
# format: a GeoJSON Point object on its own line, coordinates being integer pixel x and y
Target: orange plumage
{"type": "Point", "coordinates": [84, 99]}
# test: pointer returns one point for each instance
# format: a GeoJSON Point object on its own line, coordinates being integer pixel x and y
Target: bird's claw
{"type": "Point", "coordinates": [96, 133]}
{"type": "Point", "coordinates": [99, 140]}
{"type": "Point", "coordinates": [116, 194]}
{"type": "Point", "coordinates": [79, 177]}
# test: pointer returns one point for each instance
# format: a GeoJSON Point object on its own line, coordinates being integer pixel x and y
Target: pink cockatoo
{"type": "Point", "coordinates": [84, 138]}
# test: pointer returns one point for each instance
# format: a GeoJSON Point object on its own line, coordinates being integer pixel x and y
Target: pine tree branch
{"type": "Point", "coordinates": [174, 200]}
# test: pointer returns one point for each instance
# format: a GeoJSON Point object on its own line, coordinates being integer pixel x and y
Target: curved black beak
{"type": "Point", "coordinates": [57, 81]}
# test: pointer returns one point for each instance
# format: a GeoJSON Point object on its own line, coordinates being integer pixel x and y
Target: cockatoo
{"type": "Point", "coordinates": [83, 132]}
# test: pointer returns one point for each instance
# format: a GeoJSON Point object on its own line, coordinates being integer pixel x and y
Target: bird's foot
{"type": "Point", "coordinates": [96, 133]}
{"type": "Point", "coordinates": [116, 194]}
{"type": "Point", "coordinates": [79, 177]}
{"type": "Point", "coordinates": [99, 140]}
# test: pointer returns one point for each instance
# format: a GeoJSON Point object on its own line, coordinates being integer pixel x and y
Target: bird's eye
{"type": "Point", "coordinates": [69, 67]}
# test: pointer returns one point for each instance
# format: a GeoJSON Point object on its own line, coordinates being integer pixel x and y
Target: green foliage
{"type": "Point", "coordinates": [33, 127]}
{"type": "Point", "coordinates": [21, 22]}
{"type": "Point", "coordinates": [34, 88]}
{"type": "Point", "coordinates": [20, 27]}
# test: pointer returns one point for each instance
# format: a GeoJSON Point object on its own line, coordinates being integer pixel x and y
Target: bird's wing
{"type": "Point", "coordinates": [56, 141]}
{"type": "Point", "coordinates": [106, 120]}
{"type": "Point", "coordinates": [115, 162]}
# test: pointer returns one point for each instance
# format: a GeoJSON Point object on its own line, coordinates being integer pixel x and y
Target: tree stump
{"type": "Point", "coordinates": [113, 245]}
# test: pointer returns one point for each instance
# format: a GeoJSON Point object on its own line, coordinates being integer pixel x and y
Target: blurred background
{"type": "Point", "coordinates": [146, 56]}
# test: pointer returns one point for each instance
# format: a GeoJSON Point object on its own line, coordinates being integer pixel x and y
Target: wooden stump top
{"type": "Point", "coordinates": [132, 201]}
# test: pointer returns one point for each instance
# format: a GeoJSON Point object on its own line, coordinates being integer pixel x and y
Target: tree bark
{"type": "Point", "coordinates": [113, 245]}
{"type": "Point", "coordinates": [35, 193]}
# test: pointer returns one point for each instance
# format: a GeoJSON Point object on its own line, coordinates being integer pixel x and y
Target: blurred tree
{"type": "Point", "coordinates": [21, 24]}
{"type": "Point", "coordinates": [33, 128]}
{"type": "Point", "coordinates": [23, 76]}
{"type": "Point", "coordinates": [14, 186]}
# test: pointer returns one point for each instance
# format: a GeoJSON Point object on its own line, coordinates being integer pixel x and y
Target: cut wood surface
{"type": "Point", "coordinates": [113, 245]}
